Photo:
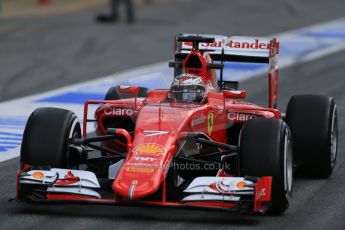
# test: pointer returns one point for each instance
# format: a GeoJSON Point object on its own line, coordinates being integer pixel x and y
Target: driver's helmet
{"type": "Point", "coordinates": [188, 88]}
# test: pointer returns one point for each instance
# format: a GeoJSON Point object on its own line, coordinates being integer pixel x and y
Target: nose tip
{"type": "Point", "coordinates": [131, 190]}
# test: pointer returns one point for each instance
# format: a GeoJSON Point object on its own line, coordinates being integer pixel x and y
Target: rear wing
{"type": "Point", "coordinates": [235, 49]}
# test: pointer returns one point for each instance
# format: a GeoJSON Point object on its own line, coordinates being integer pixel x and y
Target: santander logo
{"type": "Point", "coordinates": [256, 44]}
{"type": "Point", "coordinates": [249, 45]}
{"type": "Point", "coordinates": [198, 120]}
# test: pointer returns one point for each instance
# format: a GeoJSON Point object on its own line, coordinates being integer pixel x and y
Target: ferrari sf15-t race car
{"type": "Point", "coordinates": [197, 144]}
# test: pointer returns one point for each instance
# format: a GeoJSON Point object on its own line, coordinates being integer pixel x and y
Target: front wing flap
{"type": "Point", "coordinates": [256, 192]}
{"type": "Point", "coordinates": [57, 183]}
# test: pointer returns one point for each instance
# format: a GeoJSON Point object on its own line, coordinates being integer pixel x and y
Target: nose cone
{"type": "Point", "coordinates": [144, 170]}
{"type": "Point", "coordinates": [138, 188]}
{"type": "Point", "coordinates": [142, 173]}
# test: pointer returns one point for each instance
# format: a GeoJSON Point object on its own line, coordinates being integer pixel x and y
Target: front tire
{"type": "Point", "coordinates": [265, 150]}
{"type": "Point", "coordinates": [46, 135]}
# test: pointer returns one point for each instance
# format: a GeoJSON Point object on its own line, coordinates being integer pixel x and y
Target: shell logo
{"type": "Point", "coordinates": [37, 175]}
{"type": "Point", "coordinates": [148, 149]}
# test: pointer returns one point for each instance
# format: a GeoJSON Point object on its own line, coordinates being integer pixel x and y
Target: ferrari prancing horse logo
{"type": "Point", "coordinates": [210, 122]}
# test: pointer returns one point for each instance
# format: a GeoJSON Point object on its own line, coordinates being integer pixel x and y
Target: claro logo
{"type": "Point", "coordinates": [233, 116]}
{"type": "Point", "coordinates": [116, 111]}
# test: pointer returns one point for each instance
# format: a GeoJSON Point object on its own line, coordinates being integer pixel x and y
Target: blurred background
{"type": "Point", "coordinates": [45, 44]}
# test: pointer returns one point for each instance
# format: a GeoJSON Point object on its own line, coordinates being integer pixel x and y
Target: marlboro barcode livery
{"type": "Point", "coordinates": [196, 144]}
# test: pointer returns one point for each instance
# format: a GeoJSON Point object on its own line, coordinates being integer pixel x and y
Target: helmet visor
{"type": "Point", "coordinates": [190, 93]}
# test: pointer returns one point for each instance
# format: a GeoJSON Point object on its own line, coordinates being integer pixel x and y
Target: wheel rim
{"type": "Point", "coordinates": [288, 177]}
{"type": "Point", "coordinates": [74, 133]}
{"type": "Point", "coordinates": [334, 137]}
{"type": "Point", "coordinates": [74, 129]}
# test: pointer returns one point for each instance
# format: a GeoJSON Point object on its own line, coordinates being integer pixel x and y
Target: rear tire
{"type": "Point", "coordinates": [113, 94]}
{"type": "Point", "coordinates": [45, 138]}
{"type": "Point", "coordinates": [313, 122]}
{"type": "Point", "coordinates": [265, 150]}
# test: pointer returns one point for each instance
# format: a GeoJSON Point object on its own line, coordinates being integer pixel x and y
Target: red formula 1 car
{"type": "Point", "coordinates": [196, 144]}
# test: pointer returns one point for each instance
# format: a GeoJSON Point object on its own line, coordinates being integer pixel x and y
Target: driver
{"type": "Point", "coordinates": [188, 88]}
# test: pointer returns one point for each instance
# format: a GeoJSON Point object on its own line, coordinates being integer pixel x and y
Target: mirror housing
{"type": "Point", "coordinates": [128, 89]}
{"type": "Point", "coordinates": [238, 94]}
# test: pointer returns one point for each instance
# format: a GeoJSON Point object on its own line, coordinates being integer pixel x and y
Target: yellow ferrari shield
{"type": "Point", "coordinates": [210, 122]}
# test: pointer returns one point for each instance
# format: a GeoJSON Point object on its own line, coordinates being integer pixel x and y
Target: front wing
{"type": "Point", "coordinates": [229, 193]}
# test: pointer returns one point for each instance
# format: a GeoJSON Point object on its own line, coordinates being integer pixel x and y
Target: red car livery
{"type": "Point", "coordinates": [197, 144]}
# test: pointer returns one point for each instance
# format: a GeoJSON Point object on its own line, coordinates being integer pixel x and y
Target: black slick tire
{"type": "Point", "coordinates": [46, 135]}
{"type": "Point", "coordinates": [265, 150]}
{"type": "Point", "coordinates": [313, 122]}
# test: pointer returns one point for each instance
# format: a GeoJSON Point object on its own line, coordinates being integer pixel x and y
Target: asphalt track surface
{"type": "Point", "coordinates": [37, 55]}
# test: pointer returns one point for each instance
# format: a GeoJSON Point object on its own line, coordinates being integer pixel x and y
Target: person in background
{"type": "Point", "coordinates": [115, 15]}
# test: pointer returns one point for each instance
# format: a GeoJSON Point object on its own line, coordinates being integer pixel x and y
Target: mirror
{"type": "Point", "coordinates": [128, 89]}
{"type": "Point", "coordinates": [240, 94]}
